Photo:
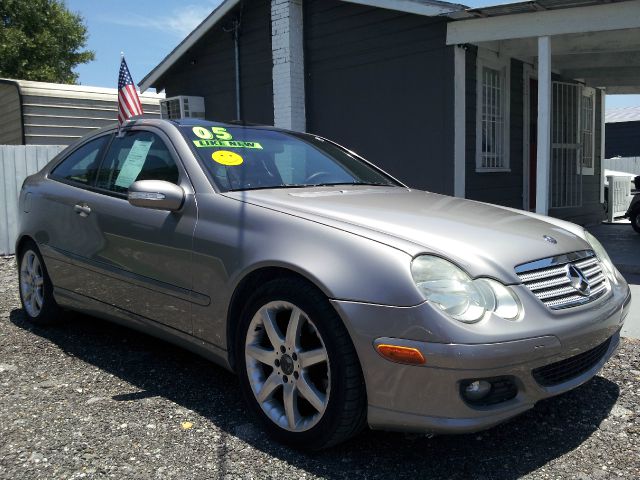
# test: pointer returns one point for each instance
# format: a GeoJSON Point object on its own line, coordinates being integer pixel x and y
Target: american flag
{"type": "Point", "coordinates": [128, 102]}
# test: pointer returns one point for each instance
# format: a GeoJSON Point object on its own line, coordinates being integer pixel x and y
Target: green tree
{"type": "Point", "coordinates": [41, 40]}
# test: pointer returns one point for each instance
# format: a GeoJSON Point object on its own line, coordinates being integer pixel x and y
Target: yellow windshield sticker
{"type": "Point", "coordinates": [224, 157]}
{"type": "Point", "coordinates": [226, 144]}
{"type": "Point", "coordinates": [221, 133]}
{"type": "Point", "coordinates": [203, 133]}
{"type": "Point", "coordinates": [216, 132]}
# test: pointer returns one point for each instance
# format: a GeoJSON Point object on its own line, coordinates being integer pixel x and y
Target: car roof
{"type": "Point", "coordinates": [165, 124]}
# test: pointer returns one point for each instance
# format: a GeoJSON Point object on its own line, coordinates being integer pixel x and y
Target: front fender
{"type": "Point", "coordinates": [240, 238]}
{"type": "Point", "coordinates": [234, 238]}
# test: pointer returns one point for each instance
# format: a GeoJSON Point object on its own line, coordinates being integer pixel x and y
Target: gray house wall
{"type": "Point", "coordinates": [381, 83]}
{"type": "Point", "coordinates": [208, 68]}
{"type": "Point", "coordinates": [502, 188]}
{"type": "Point", "coordinates": [506, 188]}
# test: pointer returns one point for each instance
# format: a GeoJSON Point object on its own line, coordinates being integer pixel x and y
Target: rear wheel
{"type": "Point", "coordinates": [36, 290]}
{"type": "Point", "coordinates": [635, 220]}
{"type": "Point", "coordinates": [298, 368]}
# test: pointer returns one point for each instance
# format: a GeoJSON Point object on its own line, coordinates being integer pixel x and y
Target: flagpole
{"type": "Point", "coordinates": [119, 124]}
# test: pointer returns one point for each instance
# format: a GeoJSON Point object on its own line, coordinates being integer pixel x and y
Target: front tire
{"type": "Point", "coordinates": [635, 220]}
{"type": "Point", "coordinates": [299, 371]}
{"type": "Point", "coordinates": [36, 289]}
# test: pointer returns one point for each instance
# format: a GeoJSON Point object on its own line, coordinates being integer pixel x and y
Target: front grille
{"type": "Point", "coordinates": [548, 279]}
{"type": "Point", "coordinates": [559, 372]}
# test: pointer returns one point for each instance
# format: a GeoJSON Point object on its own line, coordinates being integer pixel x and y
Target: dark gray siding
{"type": "Point", "coordinates": [381, 83]}
{"type": "Point", "coordinates": [622, 139]}
{"type": "Point", "coordinates": [208, 68]}
{"type": "Point", "coordinates": [506, 188]}
{"type": "Point", "coordinates": [502, 188]}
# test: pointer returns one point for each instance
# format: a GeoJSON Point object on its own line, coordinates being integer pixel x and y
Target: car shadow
{"type": "Point", "coordinates": [554, 427]}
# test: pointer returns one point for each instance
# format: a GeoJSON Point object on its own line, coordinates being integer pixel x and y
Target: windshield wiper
{"type": "Point", "coordinates": [267, 187]}
{"type": "Point", "coordinates": [378, 184]}
{"type": "Point", "coordinates": [304, 185]}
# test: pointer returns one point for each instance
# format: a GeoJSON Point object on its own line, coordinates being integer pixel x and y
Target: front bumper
{"type": "Point", "coordinates": [428, 398]}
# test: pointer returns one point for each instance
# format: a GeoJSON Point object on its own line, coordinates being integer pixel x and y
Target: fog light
{"type": "Point", "coordinates": [477, 390]}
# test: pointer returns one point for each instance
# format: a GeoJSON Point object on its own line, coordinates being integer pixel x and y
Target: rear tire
{"type": "Point", "coordinates": [635, 220]}
{"type": "Point", "coordinates": [298, 369]}
{"type": "Point", "coordinates": [36, 289]}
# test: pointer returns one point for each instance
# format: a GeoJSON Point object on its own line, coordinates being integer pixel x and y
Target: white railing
{"type": "Point", "coordinates": [619, 196]}
{"type": "Point", "coordinates": [17, 162]}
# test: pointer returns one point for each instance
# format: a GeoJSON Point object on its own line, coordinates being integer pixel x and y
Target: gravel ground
{"type": "Point", "coordinates": [89, 399]}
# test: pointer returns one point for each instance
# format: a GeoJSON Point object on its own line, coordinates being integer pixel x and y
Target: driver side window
{"type": "Point", "coordinates": [81, 165]}
{"type": "Point", "coordinates": [139, 155]}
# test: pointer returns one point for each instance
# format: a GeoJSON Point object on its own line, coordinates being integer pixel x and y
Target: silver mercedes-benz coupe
{"type": "Point", "coordinates": [339, 296]}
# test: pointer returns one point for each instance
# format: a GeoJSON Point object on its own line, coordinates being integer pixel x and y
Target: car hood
{"type": "Point", "coordinates": [484, 239]}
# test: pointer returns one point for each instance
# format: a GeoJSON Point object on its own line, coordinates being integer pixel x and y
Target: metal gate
{"type": "Point", "coordinates": [572, 147]}
{"type": "Point", "coordinates": [566, 174]}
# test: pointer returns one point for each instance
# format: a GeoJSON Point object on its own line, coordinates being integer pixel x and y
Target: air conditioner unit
{"type": "Point", "coordinates": [175, 108]}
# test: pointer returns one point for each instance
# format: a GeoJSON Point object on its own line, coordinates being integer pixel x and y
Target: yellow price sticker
{"type": "Point", "coordinates": [203, 133]}
{"type": "Point", "coordinates": [225, 157]}
{"type": "Point", "coordinates": [206, 134]}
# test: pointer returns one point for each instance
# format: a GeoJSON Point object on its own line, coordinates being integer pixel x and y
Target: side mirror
{"type": "Point", "coordinates": [156, 194]}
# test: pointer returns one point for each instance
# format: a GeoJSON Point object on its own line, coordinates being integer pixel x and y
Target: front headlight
{"type": "Point", "coordinates": [450, 289]}
{"type": "Point", "coordinates": [603, 256]}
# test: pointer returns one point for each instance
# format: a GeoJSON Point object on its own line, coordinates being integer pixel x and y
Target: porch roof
{"type": "Point", "coordinates": [595, 41]}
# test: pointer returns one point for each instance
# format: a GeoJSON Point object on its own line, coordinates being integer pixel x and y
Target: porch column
{"type": "Point", "coordinates": [288, 65]}
{"type": "Point", "coordinates": [460, 126]}
{"type": "Point", "coordinates": [544, 125]}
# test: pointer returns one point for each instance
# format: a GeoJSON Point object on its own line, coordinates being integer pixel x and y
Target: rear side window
{"type": "Point", "coordinates": [81, 166]}
{"type": "Point", "coordinates": [139, 155]}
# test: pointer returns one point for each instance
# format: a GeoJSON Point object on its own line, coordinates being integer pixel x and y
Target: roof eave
{"type": "Point", "coordinates": [432, 9]}
{"type": "Point", "coordinates": [214, 17]}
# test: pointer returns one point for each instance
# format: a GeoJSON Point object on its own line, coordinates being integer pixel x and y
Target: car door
{"type": "Point", "coordinates": [66, 236]}
{"type": "Point", "coordinates": [145, 256]}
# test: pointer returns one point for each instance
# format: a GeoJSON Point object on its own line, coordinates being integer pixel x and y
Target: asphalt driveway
{"type": "Point", "coordinates": [89, 399]}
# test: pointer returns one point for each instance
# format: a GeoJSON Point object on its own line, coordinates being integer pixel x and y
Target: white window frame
{"type": "Point", "coordinates": [589, 92]}
{"type": "Point", "coordinates": [492, 60]}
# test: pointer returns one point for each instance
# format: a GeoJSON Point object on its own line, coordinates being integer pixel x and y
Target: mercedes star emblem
{"type": "Point", "coordinates": [578, 280]}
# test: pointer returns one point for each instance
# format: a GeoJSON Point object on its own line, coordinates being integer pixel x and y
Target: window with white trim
{"type": "Point", "coordinates": [492, 121]}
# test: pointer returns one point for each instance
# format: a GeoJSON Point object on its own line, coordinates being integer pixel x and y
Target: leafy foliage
{"type": "Point", "coordinates": [41, 40]}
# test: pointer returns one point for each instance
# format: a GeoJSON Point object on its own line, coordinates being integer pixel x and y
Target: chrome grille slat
{"type": "Point", "coordinates": [548, 281]}
{"type": "Point", "coordinates": [596, 280]}
{"type": "Point", "coordinates": [526, 277]}
{"type": "Point", "coordinates": [556, 292]}
{"type": "Point", "coordinates": [589, 272]}
{"type": "Point", "coordinates": [582, 264]}
{"type": "Point", "coordinates": [553, 282]}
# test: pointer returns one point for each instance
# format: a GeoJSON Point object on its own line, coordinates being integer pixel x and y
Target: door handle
{"type": "Point", "coordinates": [82, 210]}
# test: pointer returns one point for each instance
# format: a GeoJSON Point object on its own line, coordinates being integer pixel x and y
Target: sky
{"type": "Point", "coordinates": [150, 29]}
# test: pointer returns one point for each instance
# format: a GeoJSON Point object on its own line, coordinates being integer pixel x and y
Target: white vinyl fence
{"type": "Point", "coordinates": [623, 164]}
{"type": "Point", "coordinates": [17, 162]}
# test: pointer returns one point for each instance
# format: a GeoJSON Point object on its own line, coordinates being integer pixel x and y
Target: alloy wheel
{"type": "Point", "coordinates": [32, 283]}
{"type": "Point", "coordinates": [289, 372]}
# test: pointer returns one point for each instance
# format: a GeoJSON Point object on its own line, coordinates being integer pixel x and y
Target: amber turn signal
{"type": "Point", "coordinates": [396, 353]}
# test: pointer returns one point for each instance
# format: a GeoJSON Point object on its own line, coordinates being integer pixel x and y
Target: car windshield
{"type": "Point", "coordinates": [244, 158]}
